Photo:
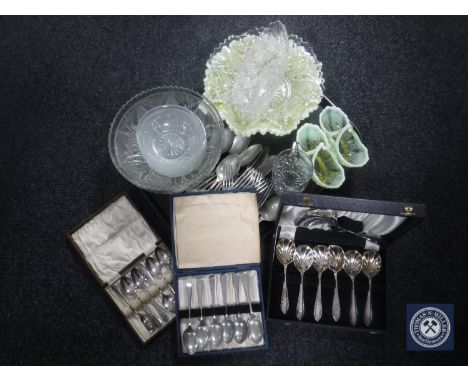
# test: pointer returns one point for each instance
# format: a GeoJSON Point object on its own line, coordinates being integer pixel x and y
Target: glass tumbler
{"type": "Point", "coordinates": [292, 170]}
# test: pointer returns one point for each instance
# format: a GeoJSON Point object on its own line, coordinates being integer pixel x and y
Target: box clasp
{"type": "Point", "coordinates": [408, 211]}
{"type": "Point", "coordinates": [306, 201]}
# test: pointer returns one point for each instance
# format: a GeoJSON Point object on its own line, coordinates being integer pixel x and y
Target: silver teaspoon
{"type": "Point", "coordinates": [163, 255]}
{"type": "Point", "coordinates": [285, 253]}
{"type": "Point", "coordinates": [239, 144]}
{"type": "Point", "coordinates": [228, 325]}
{"type": "Point", "coordinates": [352, 267]}
{"type": "Point", "coordinates": [303, 258]}
{"type": "Point", "coordinates": [240, 326]}
{"type": "Point", "coordinates": [203, 332]}
{"type": "Point", "coordinates": [255, 326]}
{"type": "Point", "coordinates": [336, 263]}
{"type": "Point", "coordinates": [216, 329]}
{"type": "Point", "coordinates": [371, 264]}
{"type": "Point", "coordinates": [189, 337]}
{"type": "Point", "coordinates": [269, 209]}
{"type": "Point", "coordinates": [321, 262]}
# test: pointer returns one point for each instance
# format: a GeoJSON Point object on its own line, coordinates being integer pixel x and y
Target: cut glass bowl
{"type": "Point", "coordinates": [293, 98]}
{"type": "Point", "coordinates": [166, 139]}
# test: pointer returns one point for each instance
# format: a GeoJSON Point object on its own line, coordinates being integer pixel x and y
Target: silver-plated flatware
{"type": "Point", "coordinates": [303, 258]}
{"type": "Point", "coordinates": [227, 323]}
{"type": "Point", "coordinates": [216, 329]}
{"type": "Point", "coordinates": [371, 264]}
{"type": "Point", "coordinates": [202, 331]}
{"type": "Point", "coordinates": [352, 266]}
{"type": "Point", "coordinates": [239, 144]}
{"type": "Point", "coordinates": [189, 337]}
{"type": "Point", "coordinates": [336, 264]}
{"type": "Point", "coordinates": [253, 323]}
{"type": "Point", "coordinates": [320, 262]}
{"type": "Point", "coordinates": [240, 326]}
{"type": "Point", "coordinates": [285, 253]}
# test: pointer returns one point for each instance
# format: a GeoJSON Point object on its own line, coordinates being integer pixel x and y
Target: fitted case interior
{"type": "Point", "coordinates": [110, 242]}
{"type": "Point", "coordinates": [216, 233]}
{"type": "Point", "coordinates": [216, 230]}
{"type": "Point", "coordinates": [357, 230]}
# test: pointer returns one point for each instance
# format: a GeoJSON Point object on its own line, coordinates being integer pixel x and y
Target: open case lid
{"type": "Point", "coordinates": [216, 229]}
{"type": "Point", "coordinates": [374, 223]}
{"type": "Point", "coordinates": [112, 238]}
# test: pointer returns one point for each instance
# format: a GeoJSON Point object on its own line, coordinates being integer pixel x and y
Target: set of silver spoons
{"type": "Point", "coordinates": [335, 259]}
{"type": "Point", "coordinates": [147, 290]}
{"type": "Point", "coordinates": [215, 332]}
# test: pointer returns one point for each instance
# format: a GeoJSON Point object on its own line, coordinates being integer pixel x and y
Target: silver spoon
{"type": "Point", "coordinates": [203, 332]}
{"type": "Point", "coordinates": [189, 337]}
{"type": "Point", "coordinates": [240, 326]}
{"type": "Point", "coordinates": [320, 263]}
{"type": "Point", "coordinates": [227, 139]}
{"type": "Point", "coordinates": [163, 255]}
{"type": "Point", "coordinates": [285, 253]}
{"type": "Point", "coordinates": [336, 263]}
{"type": "Point", "coordinates": [269, 209]}
{"type": "Point", "coordinates": [267, 165]}
{"type": "Point", "coordinates": [216, 329]}
{"type": "Point", "coordinates": [228, 168]}
{"type": "Point", "coordinates": [228, 325]}
{"type": "Point", "coordinates": [255, 326]}
{"type": "Point", "coordinates": [239, 144]}
{"type": "Point", "coordinates": [303, 258]}
{"type": "Point", "coordinates": [371, 264]}
{"type": "Point", "coordinates": [352, 267]}
{"type": "Point", "coordinates": [154, 268]}
{"type": "Point", "coordinates": [141, 282]}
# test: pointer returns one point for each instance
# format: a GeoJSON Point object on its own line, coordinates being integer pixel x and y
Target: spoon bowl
{"type": "Point", "coordinates": [163, 255]}
{"type": "Point", "coordinates": [303, 259]}
{"type": "Point", "coordinates": [270, 208]}
{"type": "Point", "coordinates": [239, 144]}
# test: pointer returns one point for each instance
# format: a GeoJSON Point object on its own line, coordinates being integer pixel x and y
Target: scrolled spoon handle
{"type": "Point", "coordinates": [300, 300]}
{"type": "Point", "coordinates": [284, 294]}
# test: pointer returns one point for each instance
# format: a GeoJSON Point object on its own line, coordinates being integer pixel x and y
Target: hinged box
{"type": "Point", "coordinates": [216, 247]}
{"type": "Point", "coordinates": [127, 257]}
{"type": "Point", "coordinates": [352, 224]}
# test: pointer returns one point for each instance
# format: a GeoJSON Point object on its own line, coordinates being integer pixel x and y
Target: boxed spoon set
{"type": "Point", "coordinates": [216, 248]}
{"type": "Point", "coordinates": [131, 262]}
{"type": "Point", "coordinates": [340, 246]}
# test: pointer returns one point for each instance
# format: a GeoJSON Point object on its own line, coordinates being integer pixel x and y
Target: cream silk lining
{"type": "Point", "coordinates": [216, 230]}
{"type": "Point", "coordinates": [114, 238]}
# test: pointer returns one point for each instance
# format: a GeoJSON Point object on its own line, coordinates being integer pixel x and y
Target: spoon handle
{"type": "Point", "coordinates": [300, 300]}
{"type": "Point", "coordinates": [200, 289]}
{"type": "Point", "coordinates": [246, 283]}
{"type": "Point", "coordinates": [353, 311]}
{"type": "Point", "coordinates": [188, 291]}
{"type": "Point", "coordinates": [336, 301]}
{"type": "Point", "coordinates": [284, 294]}
{"type": "Point", "coordinates": [368, 309]}
{"type": "Point", "coordinates": [318, 300]}
{"type": "Point", "coordinates": [235, 281]}
{"type": "Point", "coordinates": [212, 280]}
{"type": "Point", "coordinates": [224, 280]}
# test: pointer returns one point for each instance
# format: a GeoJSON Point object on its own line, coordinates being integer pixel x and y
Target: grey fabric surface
{"type": "Point", "coordinates": [62, 79]}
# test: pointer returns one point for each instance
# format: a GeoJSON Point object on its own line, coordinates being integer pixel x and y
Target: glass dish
{"type": "Point", "coordinates": [166, 139]}
{"type": "Point", "coordinates": [294, 97]}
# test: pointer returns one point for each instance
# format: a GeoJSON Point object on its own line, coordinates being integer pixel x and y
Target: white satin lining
{"type": "Point", "coordinates": [114, 238]}
{"type": "Point", "coordinates": [374, 225]}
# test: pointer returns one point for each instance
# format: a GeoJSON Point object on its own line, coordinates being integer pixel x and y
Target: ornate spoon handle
{"type": "Point", "coordinates": [318, 300]}
{"type": "Point", "coordinates": [300, 300]}
{"type": "Point", "coordinates": [353, 311]}
{"type": "Point", "coordinates": [336, 301]}
{"type": "Point", "coordinates": [368, 309]}
{"type": "Point", "coordinates": [284, 294]}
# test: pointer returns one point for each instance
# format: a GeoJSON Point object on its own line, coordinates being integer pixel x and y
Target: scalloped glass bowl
{"type": "Point", "coordinates": [166, 139]}
{"type": "Point", "coordinates": [299, 93]}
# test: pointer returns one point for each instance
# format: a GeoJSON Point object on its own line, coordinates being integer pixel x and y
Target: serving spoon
{"type": "Point", "coordinates": [285, 253]}
{"type": "Point", "coordinates": [321, 262]}
{"type": "Point", "coordinates": [303, 258]}
{"type": "Point", "coordinates": [336, 264]}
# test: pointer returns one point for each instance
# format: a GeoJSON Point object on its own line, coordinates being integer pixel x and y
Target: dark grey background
{"type": "Point", "coordinates": [403, 81]}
